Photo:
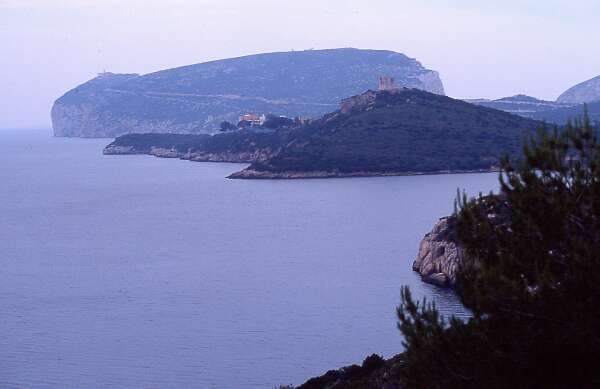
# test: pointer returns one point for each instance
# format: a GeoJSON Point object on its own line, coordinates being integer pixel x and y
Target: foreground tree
{"type": "Point", "coordinates": [531, 278]}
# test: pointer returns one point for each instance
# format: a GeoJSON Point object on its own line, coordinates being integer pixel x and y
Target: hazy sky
{"type": "Point", "coordinates": [481, 48]}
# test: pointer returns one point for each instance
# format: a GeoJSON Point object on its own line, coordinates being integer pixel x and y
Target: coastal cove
{"type": "Point", "coordinates": [262, 282]}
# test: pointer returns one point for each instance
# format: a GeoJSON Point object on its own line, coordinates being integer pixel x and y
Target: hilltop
{"type": "Point", "coordinates": [405, 131]}
{"type": "Point", "coordinates": [195, 99]}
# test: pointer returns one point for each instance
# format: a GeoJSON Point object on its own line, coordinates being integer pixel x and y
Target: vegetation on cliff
{"type": "Point", "coordinates": [531, 281]}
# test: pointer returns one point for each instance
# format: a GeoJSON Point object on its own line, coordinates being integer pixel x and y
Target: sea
{"type": "Point", "coordinates": [141, 272]}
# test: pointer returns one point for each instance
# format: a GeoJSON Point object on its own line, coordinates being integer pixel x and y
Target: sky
{"type": "Point", "coordinates": [480, 48]}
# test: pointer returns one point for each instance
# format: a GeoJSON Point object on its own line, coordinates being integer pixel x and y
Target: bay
{"type": "Point", "coordinates": [134, 271]}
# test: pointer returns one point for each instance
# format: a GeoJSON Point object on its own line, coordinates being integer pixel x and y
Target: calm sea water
{"type": "Point", "coordinates": [139, 272]}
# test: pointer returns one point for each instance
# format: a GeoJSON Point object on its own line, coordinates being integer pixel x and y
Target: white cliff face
{"type": "Point", "coordinates": [439, 256]}
{"type": "Point", "coordinates": [432, 83]}
{"type": "Point", "coordinates": [586, 92]}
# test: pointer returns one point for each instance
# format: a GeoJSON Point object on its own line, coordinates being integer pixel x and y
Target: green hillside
{"type": "Point", "coordinates": [404, 131]}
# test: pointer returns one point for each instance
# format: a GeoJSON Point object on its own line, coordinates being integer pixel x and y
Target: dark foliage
{"type": "Point", "coordinates": [244, 124]}
{"type": "Point", "coordinates": [531, 279]}
{"type": "Point", "coordinates": [278, 122]}
{"type": "Point", "coordinates": [228, 142]}
{"type": "Point", "coordinates": [226, 126]}
{"type": "Point", "coordinates": [144, 142]}
{"type": "Point", "coordinates": [407, 131]}
{"type": "Point", "coordinates": [350, 377]}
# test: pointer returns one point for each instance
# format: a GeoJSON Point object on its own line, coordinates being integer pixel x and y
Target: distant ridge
{"type": "Point", "coordinates": [556, 112]}
{"type": "Point", "coordinates": [196, 98]}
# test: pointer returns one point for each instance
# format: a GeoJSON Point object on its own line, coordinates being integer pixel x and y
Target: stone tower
{"type": "Point", "coordinates": [386, 83]}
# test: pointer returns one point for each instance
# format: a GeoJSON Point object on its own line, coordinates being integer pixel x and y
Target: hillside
{"type": "Point", "coordinates": [398, 132]}
{"type": "Point", "coordinates": [196, 98]}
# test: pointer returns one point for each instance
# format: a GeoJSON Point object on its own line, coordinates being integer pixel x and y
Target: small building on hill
{"type": "Point", "coordinates": [253, 119]}
{"type": "Point", "coordinates": [386, 83]}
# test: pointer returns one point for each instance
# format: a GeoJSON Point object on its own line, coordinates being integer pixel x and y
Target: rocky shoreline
{"type": "Point", "coordinates": [374, 372]}
{"type": "Point", "coordinates": [439, 255]}
{"type": "Point", "coordinates": [286, 175]}
{"type": "Point", "coordinates": [245, 157]}
{"type": "Point", "coordinates": [263, 155]}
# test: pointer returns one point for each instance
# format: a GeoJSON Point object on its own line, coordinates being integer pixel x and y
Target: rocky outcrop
{"type": "Point", "coordinates": [359, 102]}
{"type": "Point", "coordinates": [228, 156]}
{"type": "Point", "coordinates": [585, 92]}
{"type": "Point", "coordinates": [197, 98]}
{"type": "Point", "coordinates": [196, 156]}
{"type": "Point", "coordinates": [122, 150]}
{"type": "Point", "coordinates": [439, 254]}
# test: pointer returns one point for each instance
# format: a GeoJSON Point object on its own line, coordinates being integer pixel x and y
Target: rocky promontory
{"type": "Point", "coordinates": [439, 254]}
{"type": "Point", "coordinates": [397, 132]}
{"type": "Point", "coordinates": [195, 99]}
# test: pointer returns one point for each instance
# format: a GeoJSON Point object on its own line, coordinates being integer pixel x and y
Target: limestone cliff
{"type": "Point", "coordinates": [585, 92]}
{"type": "Point", "coordinates": [197, 98]}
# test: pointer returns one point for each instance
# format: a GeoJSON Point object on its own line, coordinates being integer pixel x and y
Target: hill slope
{"type": "Point", "coordinates": [196, 98]}
{"type": "Point", "coordinates": [398, 132]}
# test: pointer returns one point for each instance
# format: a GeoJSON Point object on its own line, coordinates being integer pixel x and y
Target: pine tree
{"type": "Point", "coordinates": [531, 278]}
